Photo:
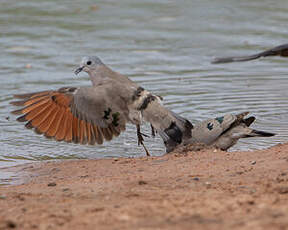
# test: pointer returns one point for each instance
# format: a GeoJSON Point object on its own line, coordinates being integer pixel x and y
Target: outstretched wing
{"type": "Point", "coordinates": [79, 115]}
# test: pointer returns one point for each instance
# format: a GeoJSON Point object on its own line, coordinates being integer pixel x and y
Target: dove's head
{"type": "Point", "coordinates": [89, 64]}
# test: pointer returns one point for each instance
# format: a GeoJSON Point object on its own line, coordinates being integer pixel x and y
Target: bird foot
{"type": "Point", "coordinates": [152, 131]}
{"type": "Point", "coordinates": [145, 135]}
{"type": "Point", "coordinates": [141, 139]}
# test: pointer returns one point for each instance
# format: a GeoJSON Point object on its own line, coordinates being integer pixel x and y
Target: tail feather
{"type": "Point", "coordinates": [235, 59]}
{"type": "Point", "coordinates": [258, 133]}
{"type": "Point", "coordinates": [281, 50]}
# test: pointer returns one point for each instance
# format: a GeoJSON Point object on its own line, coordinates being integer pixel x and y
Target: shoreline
{"type": "Point", "coordinates": [207, 189]}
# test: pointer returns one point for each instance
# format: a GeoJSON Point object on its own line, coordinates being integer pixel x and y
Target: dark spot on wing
{"type": "Point", "coordinates": [219, 119]}
{"type": "Point", "coordinates": [210, 126]}
{"type": "Point", "coordinates": [107, 113]}
{"type": "Point", "coordinates": [115, 117]}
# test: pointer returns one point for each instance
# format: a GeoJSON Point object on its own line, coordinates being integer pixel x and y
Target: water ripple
{"type": "Point", "coordinates": [166, 46]}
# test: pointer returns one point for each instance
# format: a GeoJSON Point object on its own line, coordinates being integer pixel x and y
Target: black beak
{"type": "Point", "coordinates": [78, 70]}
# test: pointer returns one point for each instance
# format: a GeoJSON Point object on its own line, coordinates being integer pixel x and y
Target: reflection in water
{"type": "Point", "coordinates": [165, 46]}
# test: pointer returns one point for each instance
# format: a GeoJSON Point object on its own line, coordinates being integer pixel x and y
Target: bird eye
{"type": "Point", "coordinates": [89, 63]}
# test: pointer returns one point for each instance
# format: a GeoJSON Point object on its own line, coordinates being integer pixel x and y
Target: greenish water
{"type": "Point", "coordinates": [166, 46]}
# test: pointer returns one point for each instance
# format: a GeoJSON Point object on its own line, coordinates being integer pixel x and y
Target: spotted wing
{"type": "Point", "coordinates": [79, 115]}
{"type": "Point", "coordinates": [209, 130]}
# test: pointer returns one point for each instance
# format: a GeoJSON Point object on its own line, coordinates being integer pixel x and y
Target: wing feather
{"type": "Point", "coordinates": [62, 128]}
{"type": "Point", "coordinates": [75, 130]}
{"type": "Point", "coordinates": [45, 125]}
{"type": "Point", "coordinates": [79, 115]}
{"type": "Point", "coordinates": [107, 134]}
{"type": "Point", "coordinates": [69, 125]}
{"type": "Point", "coordinates": [53, 127]}
{"type": "Point", "coordinates": [99, 138]}
{"type": "Point", "coordinates": [58, 124]}
{"type": "Point", "coordinates": [91, 134]}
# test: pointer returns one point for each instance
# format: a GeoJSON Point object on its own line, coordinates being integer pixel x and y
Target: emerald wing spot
{"type": "Point", "coordinates": [115, 117]}
{"type": "Point", "coordinates": [219, 119]}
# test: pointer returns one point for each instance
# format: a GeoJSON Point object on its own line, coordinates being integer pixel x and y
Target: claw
{"type": "Point", "coordinates": [145, 135]}
{"type": "Point", "coordinates": [141, 139]}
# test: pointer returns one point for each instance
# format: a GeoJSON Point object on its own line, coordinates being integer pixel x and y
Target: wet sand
{"type": "Point", "coordinates": [207, 189]}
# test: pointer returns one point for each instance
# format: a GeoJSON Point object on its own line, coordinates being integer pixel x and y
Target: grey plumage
{"type": "Point", "coordinates": [91, 114]}
{"type": "Point", "coordinates": [136, 104]}
{"type": "Point", "coordinates": [224, 132]}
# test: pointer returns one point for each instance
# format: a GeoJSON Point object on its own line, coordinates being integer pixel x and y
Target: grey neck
{"type": "Point", "coordinates": [97, 77]}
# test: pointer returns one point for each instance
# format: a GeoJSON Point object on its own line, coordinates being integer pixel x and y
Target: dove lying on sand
{"type": "Point", "coordinates": [281, 50]}
{"type": "Point", "coordinates": [224, 132]}
{"type": "Point", "coordinates": [88, 115]}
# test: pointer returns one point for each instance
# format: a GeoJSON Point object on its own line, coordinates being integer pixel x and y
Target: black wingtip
{"type": "Point", "coordinates": [17, 103]}
{"type": "Point", "coordinates": [22, 118]}
{"type": "Point", "coordinates": [29, 125]}
{"type": "Point", "coordinates": [17, 112]}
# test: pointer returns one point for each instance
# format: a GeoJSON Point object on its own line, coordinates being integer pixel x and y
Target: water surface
{"type": "Point", "coordinates": [165, 46]}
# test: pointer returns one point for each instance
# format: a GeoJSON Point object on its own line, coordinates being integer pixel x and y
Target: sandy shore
{"type": "Point", "coordinates": [199, 190]}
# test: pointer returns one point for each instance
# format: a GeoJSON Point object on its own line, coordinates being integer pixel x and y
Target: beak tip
{"type": "Point", "coordinates": [78, 70]}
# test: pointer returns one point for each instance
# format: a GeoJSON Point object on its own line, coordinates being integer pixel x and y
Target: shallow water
{"type": "Point", "coordinates": [165, 46]}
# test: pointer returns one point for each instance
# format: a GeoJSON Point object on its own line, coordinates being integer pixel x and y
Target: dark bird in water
{"type": "Point", "coordinates": [281, 51]}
